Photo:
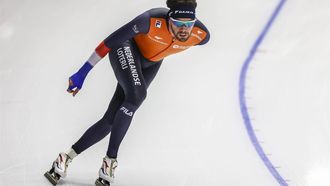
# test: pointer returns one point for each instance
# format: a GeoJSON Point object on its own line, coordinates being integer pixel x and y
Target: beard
{"type": "Point", "coordinates": [182, 36]}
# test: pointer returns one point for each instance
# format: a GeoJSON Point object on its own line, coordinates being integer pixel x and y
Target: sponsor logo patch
{"type": "Point", "coordinates": [158, 24]}
{"type": "Point", "coordinates": [180, 47]}
{"type": "Point", "coordinates": [183, 12]}
{"type": "Point", "coordinates": [135, 29]}
{"type": "Point", "coordinates": [157, 37]}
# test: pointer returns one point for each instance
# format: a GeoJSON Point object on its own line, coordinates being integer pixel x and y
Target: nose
{"type": "Point", "coordinates": [184, 28]}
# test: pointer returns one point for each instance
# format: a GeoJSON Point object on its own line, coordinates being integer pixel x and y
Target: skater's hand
{"type": "Point", "coordinates": [72, 89]}
{"type": "Point", "coordinates": [77, 80]}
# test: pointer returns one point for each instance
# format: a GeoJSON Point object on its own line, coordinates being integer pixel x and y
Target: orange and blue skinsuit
{"type": "Point", "coordinates": [136, 52]}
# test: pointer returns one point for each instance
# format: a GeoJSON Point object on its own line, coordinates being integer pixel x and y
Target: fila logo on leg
{"type": "Point", "coordinates": [126, 111]}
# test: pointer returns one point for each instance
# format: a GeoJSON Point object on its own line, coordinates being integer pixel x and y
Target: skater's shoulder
{"type": "Point", "coordinates": [201, 32]}
{"type": "Point", "coordinates": [200, 25]}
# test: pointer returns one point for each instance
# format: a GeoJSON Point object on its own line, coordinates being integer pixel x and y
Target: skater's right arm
{"type": "Point", "coordinates": [139, 25]}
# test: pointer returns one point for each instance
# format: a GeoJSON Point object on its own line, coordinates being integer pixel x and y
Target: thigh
{"type": "Point", "coordinates": [126, 64]}
{"type": "Point", "coordinates": [117, 100]}
{"type": "Point", "coordinates": [150, 72]}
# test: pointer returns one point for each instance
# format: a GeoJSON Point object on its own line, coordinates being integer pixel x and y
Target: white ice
{"type": "Point", "coordinates": [189, 131]}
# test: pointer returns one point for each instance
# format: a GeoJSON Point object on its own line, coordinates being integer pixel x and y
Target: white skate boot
{"type": "Point", "coordinates": [107, 172]}
{"type": "Point", "coordinates": [59, 168]}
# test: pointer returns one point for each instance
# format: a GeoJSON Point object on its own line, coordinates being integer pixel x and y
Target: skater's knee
{"type": "Point", "coordinates": [137, 97]}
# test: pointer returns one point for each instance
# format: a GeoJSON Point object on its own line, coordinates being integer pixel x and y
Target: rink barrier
{"type": "Point", "coordinates": [244, 109]}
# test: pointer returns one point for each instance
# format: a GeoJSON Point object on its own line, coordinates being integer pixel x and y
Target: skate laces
{"type": "Point", "coordinates": [64, 159]}
{"type": "Point", "coordinates": [110, 163]}
{"type": "Point", "coordinates": [114, 165]}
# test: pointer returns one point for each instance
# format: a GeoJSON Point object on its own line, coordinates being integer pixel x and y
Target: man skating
{"type": "Point", "coordinates": [136, 52]}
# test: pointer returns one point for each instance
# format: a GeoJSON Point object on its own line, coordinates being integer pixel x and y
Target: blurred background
{"type": "Point", "coordinates": [190, 130]}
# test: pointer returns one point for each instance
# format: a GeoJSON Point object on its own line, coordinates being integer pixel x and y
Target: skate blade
{"type": "Point", "coordinates": [99, 182]}
{"type": "Point", "coordinates": [51, 178]}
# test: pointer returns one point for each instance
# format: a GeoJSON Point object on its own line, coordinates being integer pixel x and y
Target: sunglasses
{"type": "Point", "coordinates": [179, 23]}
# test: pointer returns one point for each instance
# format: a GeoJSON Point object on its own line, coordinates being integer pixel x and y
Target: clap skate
{"type": "Point", "coordinates": [106, 172]}
{"type": "Point", "coordinates": [58, 169]}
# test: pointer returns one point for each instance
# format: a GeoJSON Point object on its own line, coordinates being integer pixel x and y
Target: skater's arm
{"type": "Point", "coordinates": [139, 25]}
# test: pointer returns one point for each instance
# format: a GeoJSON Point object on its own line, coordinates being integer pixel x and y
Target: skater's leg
{"type": "Point", "coordinates": [103, 127]}
{"type": "Point", "coordinates": [126, 63]}
{"type": "Point", "coordinates": [135, 93]}
{"type": "Point", "coordinates": [91, 136]}
{"type": "Point", "coordinates": [127, 68]}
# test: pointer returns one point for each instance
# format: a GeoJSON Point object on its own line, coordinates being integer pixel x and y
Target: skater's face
{"type": "Point", "coordinates": [181, 28]}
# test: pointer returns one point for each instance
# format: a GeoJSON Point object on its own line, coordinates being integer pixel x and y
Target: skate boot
{"type": "Point", "coordinates": [107, 172]}
{"type": "Point", "coordinates": [58, 169]}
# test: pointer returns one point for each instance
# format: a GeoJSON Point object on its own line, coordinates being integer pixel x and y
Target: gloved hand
{"type": "Point", "coordinates": [76, 80]}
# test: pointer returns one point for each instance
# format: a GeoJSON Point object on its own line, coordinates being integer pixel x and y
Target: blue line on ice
{"type": "Point", "coordinates": [243, 105]}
